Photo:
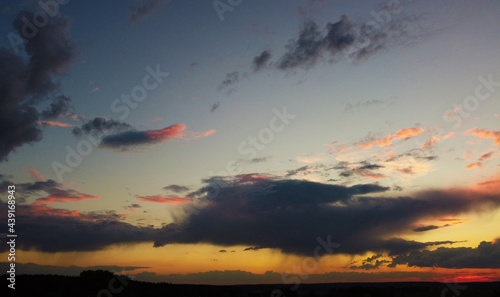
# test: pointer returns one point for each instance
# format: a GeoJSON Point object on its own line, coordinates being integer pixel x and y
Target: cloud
{"type": "Point", "coordinates": [474, 165]}
{"type": "Point", "coordinates": [61, 195]}
{"type": "Point", "coordinates": [485, 255]}
{"type": "Point", "coordinates": [489, 183]}
{"type": "Point", "coordinates": [404, 134]}
{"type": "Point", "coordinates": [144, 9]}
{"type": "Point", "coordinates": [140, 138]}
{"type": "Point", "coordinates": [486, 134]}
{"type": "Point", "coordinates": [214, 106]}
{"type": "Point", "coordinates": [176, 188]}
{"type": "Point", "coordinates": [366, 170]}
{"type": "Point", "coordinates": [261, 211]}
{"type": "Point", "coordinates": [36, 175]}
{"type": "Point", "coordinates": [51, 233]}
{"type": "Point", "coordinates": [431, 141]}
{"type": "Point", "coordinates": [52, 191]}
{"type": "Point", "coordinates": [253, 248]}
{"type": "Point", "coordinates": [164, 199]}
{"type": "Point", "coordinates": [231, 79]}
{"type": "Point", "coordinates": [359, 104]}
{"type": "Point", "coordinates": [427, 228]}
{"type": "Point", "coordinates": [243, 211]}
{"type": "Point", "coordinates": [261, 60]}
{"type": "Point", "coordinates": [122, 136]}
{"type": "Point", "coordinates": [53, 124]}
{"type": "Point", "coordinates": [101, 126]}
{"type": "Point", "coordinates": [346, 39]}
{"type": "Point", "coordinates": [27, 83]}
{"type": "Point", "coordinates": [370, 266]}
{"type": "Point", "coordinates": [485, 156]}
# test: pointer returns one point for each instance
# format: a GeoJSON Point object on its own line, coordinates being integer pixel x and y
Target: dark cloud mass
{"type": "Point", "coordinates": [258, 211]}
{"type": "Point", "coordinates": [346, 39]}
{"type": "Point", "coordinates": [290, 214]}
{"type": "Point", "coordinates": [485, 255]}
{"type": "Point", "coordinates": [27, 83]}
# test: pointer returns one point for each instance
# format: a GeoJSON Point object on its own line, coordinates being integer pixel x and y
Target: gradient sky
{"type": "Point", "coordinates": [260, 130]}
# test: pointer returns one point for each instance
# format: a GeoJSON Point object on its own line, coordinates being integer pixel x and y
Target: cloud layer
{"type": "Point", "coordinates": [26, 83]}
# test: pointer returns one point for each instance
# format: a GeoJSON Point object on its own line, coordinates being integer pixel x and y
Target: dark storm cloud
{"type": "Point", "coordinates": [259, 211]}
{"type": "Point", "coordinates": [25, 83]}
{"type": "Point", "coordinates": [428, 228]}
{"type": "Point", "coordinates": [101, 126]}
{"type": "Point", "coordinates": [346, 39]}
{"type": "Point", "coordinates": [261, 60]}
{"type": "Point", "coordinates": [144, 9]}
{"type": "Point", "coordinates": [176, 188]}
{"type": "Point", "coordinates": [56, 230]}
{"type": "Point", "coordinates": [290, 214]}
{"type": "Point", "coordinates": [485, 255]}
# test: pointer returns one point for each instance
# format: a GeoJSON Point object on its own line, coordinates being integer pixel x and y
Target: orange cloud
{"type": "Point", "coordinates": [408, 133]}
{"type": "Point", "coordinates": [474, 165]}
{"type": "Point", "coordinates": [489, 183]}
{"type": "Point", "coordinates": [53, 123]}
{"type": "Point", "coordinates": [451, 113]}
{"type": "Point", "coordinates": [486, 134]}
{"type": "Point", "coordinates": [405, 133]}
{"type": "Point", "coordinates": [164, 199]}
{"type": "Point", "coordinates": [454, 220]}
{"type": "Point", "coordinates": [432, 140]}
{"type": "Point", "coordinates": [37, 176]}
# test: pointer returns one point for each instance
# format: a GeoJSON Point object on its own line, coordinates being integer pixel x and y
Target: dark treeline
{"type": "Point", "coordinates": [105, 284]}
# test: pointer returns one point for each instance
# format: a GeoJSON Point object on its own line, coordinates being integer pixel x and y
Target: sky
{"type": "Point", "coordinates": [240, 142]}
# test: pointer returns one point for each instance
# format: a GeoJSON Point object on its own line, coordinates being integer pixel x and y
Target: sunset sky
{"type": "Point", "coordinates": [230, 142]}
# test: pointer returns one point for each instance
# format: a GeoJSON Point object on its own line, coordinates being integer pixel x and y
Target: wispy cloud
{"type": "Point", "coordinates": [144, 9]}
{"type": "Point", "coordinates": [164, 199]}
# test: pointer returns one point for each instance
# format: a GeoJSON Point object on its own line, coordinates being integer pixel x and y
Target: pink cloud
{"type": "Point", "coordinates": [164, 199]}
{"type": "Point", "coordinates": [36, 175]}
{"type": "Point", "coordinates": [53, 123]}
{"type": "Point", "coordinates": [58, 195]}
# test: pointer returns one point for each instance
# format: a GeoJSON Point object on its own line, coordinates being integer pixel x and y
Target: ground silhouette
{"type": "Point", "coordinates": [102, 283]}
